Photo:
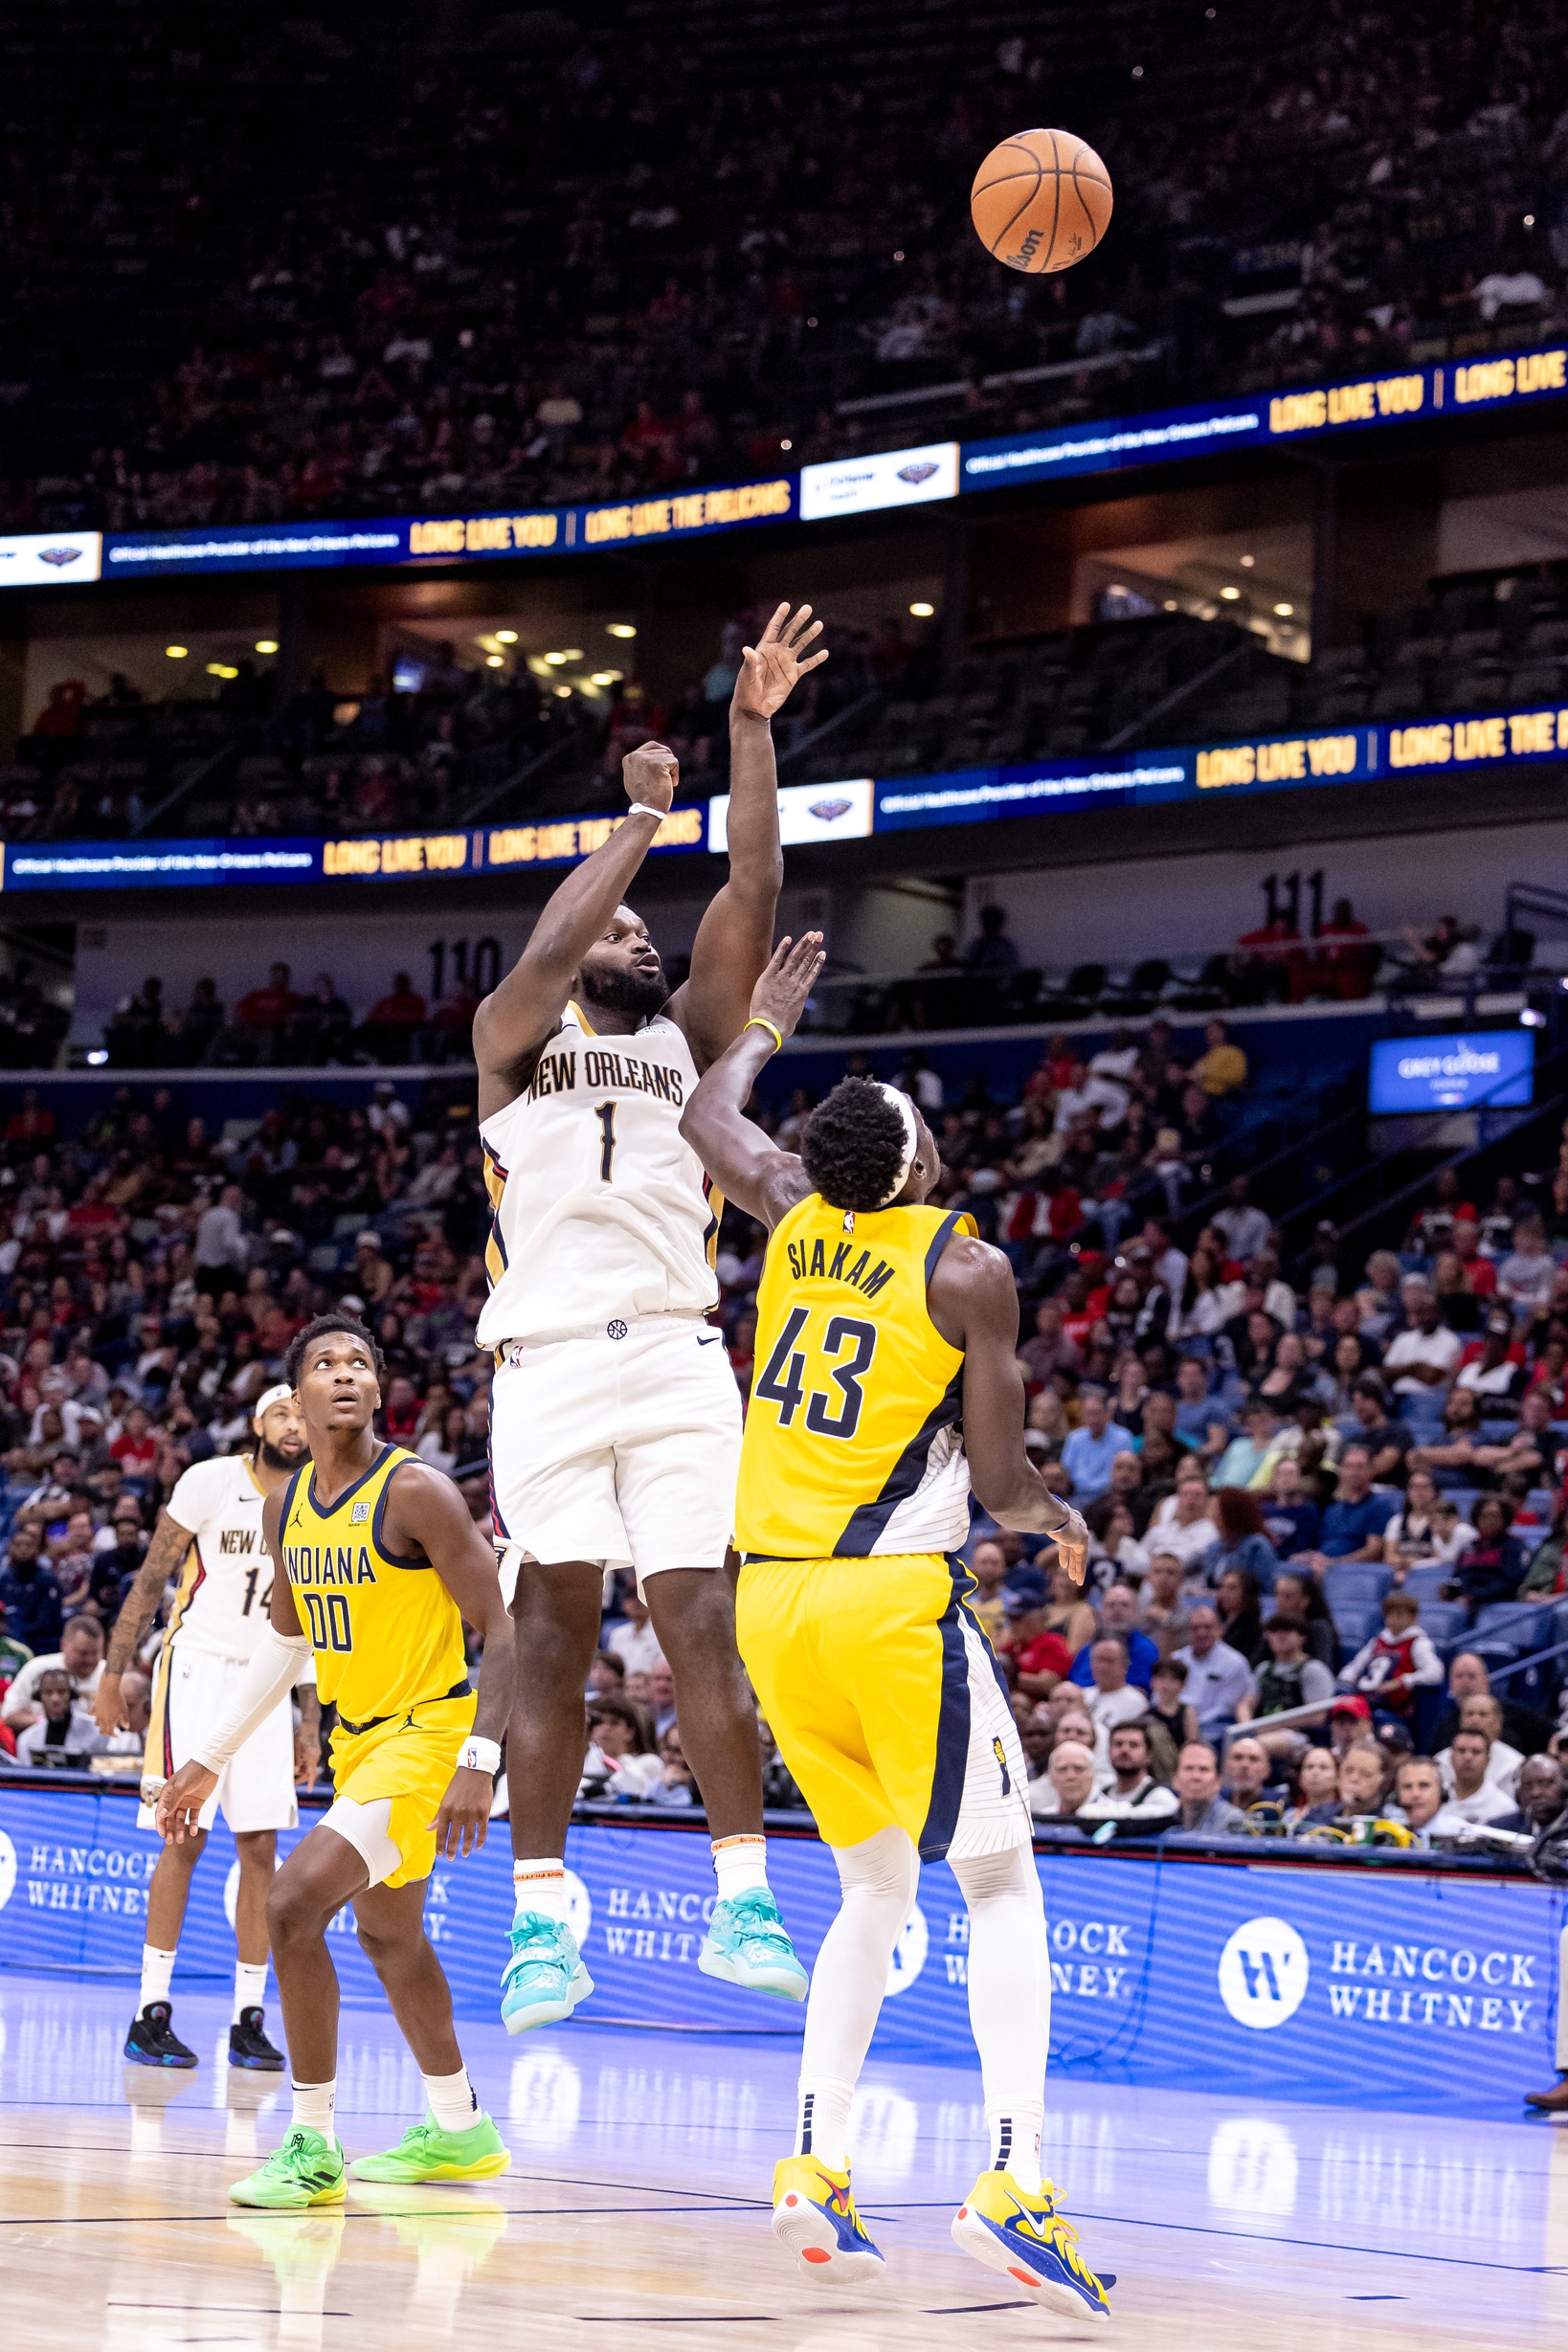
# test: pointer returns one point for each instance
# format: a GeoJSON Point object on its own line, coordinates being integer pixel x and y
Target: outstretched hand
{"type": "Point", "coordinates": [1072, 1541]}
{"type": "Point", "coordinates": [770, 668]}
{"type": "Point", "coordinates": [781, 992]}
{"type": "Point", "coordinates": [650, 775]}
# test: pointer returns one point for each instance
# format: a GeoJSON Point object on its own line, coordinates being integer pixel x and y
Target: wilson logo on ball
{"type": "Point", "coordinates": [1040, 201]}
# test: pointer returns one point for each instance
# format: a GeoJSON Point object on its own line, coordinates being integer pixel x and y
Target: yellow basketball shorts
{"type": "Point", "coordinates": [390, 1782]}
{"type": "Point", "coordinates": [887, 1700]}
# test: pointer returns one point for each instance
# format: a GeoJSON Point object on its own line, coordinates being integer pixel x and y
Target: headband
{"type": "Point", "coordinates": [269, 1397]}
{"type": "Point", "coordinates": [911, 1141]}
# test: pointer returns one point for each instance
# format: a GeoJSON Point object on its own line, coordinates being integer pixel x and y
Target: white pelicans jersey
{"type": "Point", "coordinates": [599, 1212]}
{"type": "Point", "coordinates": [225, 1585]}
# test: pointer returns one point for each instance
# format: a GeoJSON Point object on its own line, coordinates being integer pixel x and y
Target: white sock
{"type": "Point", "coordinates": [452, 2100]}
{"type": "Point", "coordinates": [1009, 2002]}
{"type": "Point", "coordinates": [740, 1864]}
{"type": "Point", "coordinates": [314, 2106]}
{"type": "Point", "coordinates": [822, 2121]}
{"type": "Point", "coordinates": [540, 1886]}
{"type": "Point", "coordinates": [157, 1968]}
{"type": "Point", "coordinates": [878, 1878]}
{"type": "Point", "coordinates": [250, 1987]}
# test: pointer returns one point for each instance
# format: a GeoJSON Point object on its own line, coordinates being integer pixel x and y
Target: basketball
{"type": "Point", "coordinates": [1040, 201]}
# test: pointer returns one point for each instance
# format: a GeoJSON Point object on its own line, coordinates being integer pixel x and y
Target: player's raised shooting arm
{"type": "Point", "coordinates": [171, 1542]}
{"type": "Point", "coordinates": [748, 1168]}
{"type": "Point", "coordinates": [735, 937]}
{"type": "Point", "coordinates": [525, 1008]}
{"type": "Point", "coordinates": [974, 1307]}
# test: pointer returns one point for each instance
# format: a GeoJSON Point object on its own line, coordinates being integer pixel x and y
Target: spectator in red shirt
{"type": "Point", "coordinates": [135, 1448]}
{"type": "Point", "coordinates": [1040, 1658]}
{"type": "Point", "coordinates": [389, 1029]}
{"type": "Point", "coordinates": [33, 1123]}
{"type": "Point", "coordinates": [1344, 972]}
{"type": "Point", "coordinates": [272, 1007]}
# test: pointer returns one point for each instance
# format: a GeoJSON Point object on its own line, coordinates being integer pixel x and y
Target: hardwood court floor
{"type": "Point", "coordinates": [637, 2202]}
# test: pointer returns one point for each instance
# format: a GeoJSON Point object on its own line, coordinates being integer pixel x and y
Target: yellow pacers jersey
{"type": "Point", "coordinates": [853, 1439]}
{"type": "Point", "coordinates": [386, 1632]}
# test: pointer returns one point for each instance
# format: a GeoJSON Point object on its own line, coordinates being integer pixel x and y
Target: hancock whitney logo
{"type": "Point", "coordinates": [1263, 1974]}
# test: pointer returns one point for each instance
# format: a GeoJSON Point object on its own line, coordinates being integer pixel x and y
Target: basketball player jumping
{"type": "Point", "coordinates": [615, 1428]}
{"type": "Point", "coordinates": [887, 1376]}
{"type": "Point", "coordinates": [378, 1553]}
{"type": "Point", "coordinates": [210, 1540]}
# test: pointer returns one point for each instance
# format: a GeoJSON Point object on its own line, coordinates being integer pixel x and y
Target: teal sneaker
{"type": "Point", "coordinates": [544, 1979]}
{"type": "Point", "coordinates": [747, 1944]}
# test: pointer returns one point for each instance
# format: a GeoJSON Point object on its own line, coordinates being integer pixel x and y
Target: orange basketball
{"type": "Point", "coordinates": [1040, 201]}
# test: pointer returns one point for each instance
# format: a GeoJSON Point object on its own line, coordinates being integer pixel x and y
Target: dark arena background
{"type": "Point", "coordinates": [407, 413]}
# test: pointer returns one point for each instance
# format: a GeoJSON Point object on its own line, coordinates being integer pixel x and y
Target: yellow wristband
{"type": "Point", "coordinates": [757, 1022]}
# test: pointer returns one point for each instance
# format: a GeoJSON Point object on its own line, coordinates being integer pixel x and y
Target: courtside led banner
{"type": "Point", "coordinates": [1319, 411]}
{"type": "Point", "coordinates": [815, 813]}
{"type": "Point", "coordinates": [1268, 1979]}
{"type": "Point", "coordinates": [867, 483]}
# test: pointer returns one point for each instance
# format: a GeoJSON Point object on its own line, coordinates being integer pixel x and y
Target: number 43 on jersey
{"type": "Point", "coordinates": [842, 1356]}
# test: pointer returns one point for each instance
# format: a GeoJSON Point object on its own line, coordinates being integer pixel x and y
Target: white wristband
{"type": "Point", "coordinates": [477, 1754]}
{"type": "Point", "coordinates": [640, 808]}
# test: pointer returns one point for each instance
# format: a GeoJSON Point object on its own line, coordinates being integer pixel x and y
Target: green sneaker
{"type": "Point", "coordinates": [427, 2153]}
{"type": "Point", "coordinates": [307, 2169]}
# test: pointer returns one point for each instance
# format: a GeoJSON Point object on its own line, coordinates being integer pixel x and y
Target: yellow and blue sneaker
{"type": "Point", "coordinates": [815, 2216]}
{"type": "Point", "coordinates": [427, 2153]}
{"type": "Point", "coordinates": [1011, 2230]}
{"type": "Point", "coordinates": [747, 1944]}
{"type": "Point", "coordinates": [309, 2169]}
{"type": "Point", "coordinates": [544, 1979]}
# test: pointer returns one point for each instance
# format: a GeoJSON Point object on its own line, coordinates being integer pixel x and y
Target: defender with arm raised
{"type": "Point", "coordinates": [888, 1381]}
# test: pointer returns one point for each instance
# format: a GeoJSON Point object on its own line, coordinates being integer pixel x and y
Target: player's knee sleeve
{"type": "Point", "coordinates": [884, 1868]}
{"type": "Point", "coordinates": [1006, 1877]}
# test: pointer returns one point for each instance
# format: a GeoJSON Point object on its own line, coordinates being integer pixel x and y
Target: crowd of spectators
{"type": "Point", "coordinates": [1327, 1512]}
{"type": "Point", "coordinates": [533, 265]}
{"type": "Point", "coordinates": [278, 1026]}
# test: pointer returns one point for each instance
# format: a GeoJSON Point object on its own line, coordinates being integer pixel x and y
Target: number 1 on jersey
{"type": "Point", "coordinates": [605, 1113]}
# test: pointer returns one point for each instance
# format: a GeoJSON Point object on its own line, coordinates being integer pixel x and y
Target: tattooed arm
{"type": "Point", "coordinates": [165, 1555]}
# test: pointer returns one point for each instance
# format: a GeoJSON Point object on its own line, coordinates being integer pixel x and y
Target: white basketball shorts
{"type": "Point", "coordinates": [620, 1448]}
{"type": "Point", "coordinates": [190, 1690]}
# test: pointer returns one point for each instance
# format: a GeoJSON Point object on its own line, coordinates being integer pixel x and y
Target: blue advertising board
{"type": "Point", "coordinates": [815, 813]}
{"type": "Point", "coordinates": [868, 483]}
{"type": "Point", "coordinates": [1491, 1066]}
{"type": "Point", "coordinates": [1311, 1981]}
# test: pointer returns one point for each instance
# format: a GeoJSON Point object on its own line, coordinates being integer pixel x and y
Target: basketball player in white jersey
{"type": "Point", "coordinates": [209, 1541]}
{"type": "Point", "coordinates": [616, 1420]}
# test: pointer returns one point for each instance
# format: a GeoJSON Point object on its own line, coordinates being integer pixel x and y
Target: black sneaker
{"type": "Point", "coordinates": [249, 2046]}
{"type": "Point", "coordinates": [153, 2040]}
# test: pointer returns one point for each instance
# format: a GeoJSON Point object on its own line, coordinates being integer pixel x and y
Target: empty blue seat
{"type": "Point", "coordinates": [1544, 1501]}
{"type": "Point", "coordinates": [1421, 1404]}
{"type": "Point", "coordinates": [1426, 1582]}
{"type": "Point", "coordinates": [1509, 1621]}
{"type": "Point", "coordinates": [1529, 1537]}
{"type": "Point", "coordinates": [1499, 1432]}
{"type": "Point", "coordinates": [1443, 1620]}
{"type": "Point", "coordinates": [1356, 1625]}
{"type": "Point", "coordinates": [1362, 1586]}
{"type": "Point", "coordinates": [1463, 1499]}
